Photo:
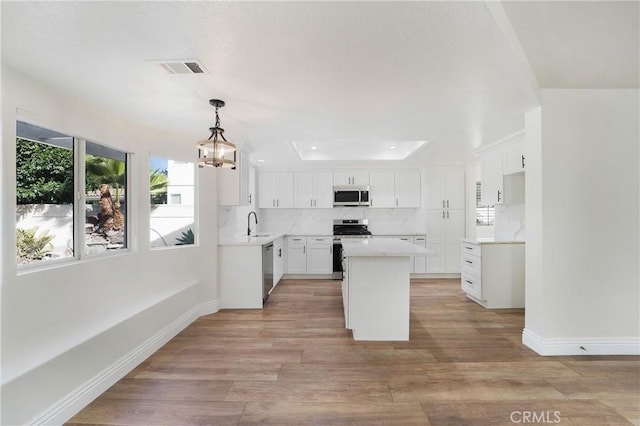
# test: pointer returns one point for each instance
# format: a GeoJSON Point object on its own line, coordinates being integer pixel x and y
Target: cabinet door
{"type": "Point", "coordinates": [454, 233]}
{"type": "Point", "coordinates": [513, 160]}
{"type": "Point", "coordinates": [267, 190]}
{"type": "Point", "coordinates": [435, 240]}
{"type": "Point", "coordinates": [285, 191]}
{"type": "Point", "coordinates": [408, 239]}
{"type": "Point", "coordinates": [382, 189]}
{"type": "Point", "coordinates": [434, 182]}
{"type": "Point", "coordinates": [420, 262]}
{"type": "Point", "coordinates": [323, 190]}
{"type": "Point", "coordinates": [233, 184]}
{"type": "Point", "coordinates": [407, 189]}
{"type": "Point", "coordinates": [360, 178]}
{"type": "Point", "coordinates": [320, 258]}
{"type": "Point", "coordinates": [252, 186]}
{"type": "Point", "coordinates": [492, 191]}
{"type": "Point", "coordinates": [303, 187]}
{"type": "Point", "coordinates": [278, 260]}
{"type": "Point", "coordinates": [454, 190]}
{"type": "Point", "coordinates": [296, 255]}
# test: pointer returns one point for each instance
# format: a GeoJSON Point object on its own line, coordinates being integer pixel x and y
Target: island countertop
{"type": "Point", "coordinates": [382, 247]}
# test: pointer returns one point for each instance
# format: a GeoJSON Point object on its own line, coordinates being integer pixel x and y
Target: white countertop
{"type": "Point", "coordinates": [382, 247]}
{"type": "Point", "coordinates": [489, 240]}
{"type": "Point", "coordinates": [243, 240]}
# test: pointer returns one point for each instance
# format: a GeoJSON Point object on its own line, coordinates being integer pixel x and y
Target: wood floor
{"type": "Point", "coordinates": [293, 363]}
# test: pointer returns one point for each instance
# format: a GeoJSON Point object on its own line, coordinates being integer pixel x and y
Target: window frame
{"type": "Point", "coordinates": [79, 145]}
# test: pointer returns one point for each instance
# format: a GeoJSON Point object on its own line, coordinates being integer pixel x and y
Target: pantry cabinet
{"type": "Point", "coordinates": [275, 190]}
{"type": "Point", "coordinates": [444, 190]}
{"type": "Point", "coordinates": [445, 229]}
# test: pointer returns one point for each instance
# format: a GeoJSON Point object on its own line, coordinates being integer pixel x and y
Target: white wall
{"type": "Point", "coordinates": [582, 278]}
{"type": "Point", "coordinates": [65, 325]}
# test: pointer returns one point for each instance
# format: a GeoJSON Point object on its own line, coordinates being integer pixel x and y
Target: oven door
{"type": "Point", "coordinates": [337, 259]}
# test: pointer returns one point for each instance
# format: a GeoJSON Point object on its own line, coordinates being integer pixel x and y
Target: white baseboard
{"type": "Point", "coordinates": [581, 346]}
{"type": "Point", "coordinates": [209, 308]}
{"type": "Point", "coordinates": [76, 400]}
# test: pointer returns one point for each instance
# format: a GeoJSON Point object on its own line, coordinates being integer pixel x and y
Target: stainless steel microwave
{"type": "Point", "coordinates": [350, 196]}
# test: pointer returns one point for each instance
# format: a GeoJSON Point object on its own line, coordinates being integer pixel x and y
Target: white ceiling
{"type": "Point", "coordinates": [317, 72]}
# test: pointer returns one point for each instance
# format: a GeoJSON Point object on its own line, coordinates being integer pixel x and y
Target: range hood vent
{"type": "Point", "coordinates": [182, 67]}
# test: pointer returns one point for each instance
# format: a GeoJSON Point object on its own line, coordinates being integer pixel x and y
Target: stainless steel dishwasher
{"type": "Point", "coordinates": [267, 271]}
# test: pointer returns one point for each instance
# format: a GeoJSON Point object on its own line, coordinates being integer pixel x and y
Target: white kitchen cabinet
{"type": "Point", "coordinates": [493, 273]}
{"type": "Point", "coordinates": [236, 187]}
{"type": "Point", "coordinates": [420, 262]}
{"type": "Point", "coordinates": [408, 239]}
{"type": "Point", "coordinates": [492, 187]}
{"type": "Point", "coordinates": [382, 189]}
{"type": "Point", "coordinates": [275, 190]}
{"type": "Point", "coordinates": [444, 190]}
{"type": "Point", "coordinates": [394, 189]}
{"type": "Point", "coordinates": [278, 260]}
{"type": "Point", "coordinates": [445, 229]}
{"type": "Point", "coordinates": [353, 177]}
{"type": "Point", "coordinates": [296, 255]}
{"type": "Point", "coordinates": [513, 160]}
{"type": "Point", "coordinates": [407, 189]}
{"type": "Point", "coordinates": [313, 190]}
{"type": "Point", "coordinates": [319, 255]}
{"type": "Point", "coordinates": [240, 285]}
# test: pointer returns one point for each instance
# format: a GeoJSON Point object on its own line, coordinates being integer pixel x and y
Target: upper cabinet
{"type": "Point", "coordinates": [513, 160]}
{"type": "Point", "coordinates": [275, 190]}
{"type": "Point", "coordinates": [355, 177]}
{"type": "Point", "coordinates": [492, 187]}
{"type": "Point", "coordinates": [313, 190]}
{"type": "Point", "coordinates": [394, 189]}
{"type": "Point", "coordinates": [445, 190]}
{"type": "Point", "coordinates": [236, 187]}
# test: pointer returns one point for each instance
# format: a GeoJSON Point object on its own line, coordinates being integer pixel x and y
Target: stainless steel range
{"type": "Point", "coordinates": [346, 228]}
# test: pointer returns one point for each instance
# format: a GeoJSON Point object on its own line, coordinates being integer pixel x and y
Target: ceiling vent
{"type": "Point", "coordinates": [182, 67]}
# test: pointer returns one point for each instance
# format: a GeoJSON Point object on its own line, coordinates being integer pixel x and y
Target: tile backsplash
{"type": "Point", "coordinates": [233, 220]}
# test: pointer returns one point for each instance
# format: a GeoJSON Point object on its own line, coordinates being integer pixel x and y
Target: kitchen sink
{"type": "Point", "coordinates": [261, 235]}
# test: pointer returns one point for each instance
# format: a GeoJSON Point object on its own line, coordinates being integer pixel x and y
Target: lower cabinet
{"type": "Point", "coordinates": [309, 255]}
{"type": "Point", "coordinates": [493, 273]}
{"type": "Point", "coordinates": [278, 260]}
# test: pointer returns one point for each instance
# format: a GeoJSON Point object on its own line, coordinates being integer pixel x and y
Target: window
{"type": "Point", "coordinates": [172, 193]}
{"type": "Point", "coordinates": [44, 195]}
{"type": "Point", "coordinates": [485, 215]}
{"type": "Point", "coordinates": [106, 199]}
{"type": "Point", "coordinates": [50, 222]}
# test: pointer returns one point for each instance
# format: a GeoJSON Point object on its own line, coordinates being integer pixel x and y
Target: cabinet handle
{"type": "Point", "coordinates": [447, 214]}
{"type": "Point", "coordinates": [278, 203]}
{"type": "Point", "coordinates": [297, 239]}
{"type": "Point", "coordinates": [468, 261]}
{"type": "Point", "coordinates": [396, 202]}
{"type": "Point", "coordinates": [443, 214]}
{"type": "Point", "coordinates": [447, 203]}
{"type": "Point", "coordinates": [273, 203]}
{"type": "Point", "coordinates": [499, 195]}
{"type": "Point", "coordinates": [331, 249]}
{"type": "Point", "coordinates": [443, 204]}
{"type": "Point", "coordinates": [249, 198]}
{"type": "Point", "coordinates": [304, 249]}
{"type": "Point", "coordinates": [468, 248]}
{"type": "Point", "coordinates": [310, 203]}
{"type": "Point", "coordinates": [468, 282]}
{"type": "Point", "coordinates": [279, 252]}
{"type": "Point", "coordinates": [523, 161]}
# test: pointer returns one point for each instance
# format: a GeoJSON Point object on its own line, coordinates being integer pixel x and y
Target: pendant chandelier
{"type": "Point", "coordinates": [216, 151]}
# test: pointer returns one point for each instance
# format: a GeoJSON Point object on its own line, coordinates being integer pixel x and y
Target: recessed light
{"type": "Point", "coordinates": [260, 161]}
{"type": "Point", "coordinates": [392, 147]}
{"type": "Point", "coordinates": [314, 147]}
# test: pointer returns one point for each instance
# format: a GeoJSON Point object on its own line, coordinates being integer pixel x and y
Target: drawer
{"type": "Point", "coordinates": [472, 285]}
{"type": "Point", "coordinates": [319, 241]}
{"type": "Point", "coordinates": [296, 241]}
{"type": "Point", "coordinates": [472, 264]}
{"type": "Point", "coordinates": [474, 249]}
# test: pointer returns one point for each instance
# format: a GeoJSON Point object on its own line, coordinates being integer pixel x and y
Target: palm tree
{"type": "Point", "coordinates": [111, 174]}
{"type": "Point", "coordinates": [158, 186]}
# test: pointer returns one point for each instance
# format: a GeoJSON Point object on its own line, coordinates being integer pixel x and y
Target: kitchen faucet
{"type": "Point", "coordinates": [249, 221]}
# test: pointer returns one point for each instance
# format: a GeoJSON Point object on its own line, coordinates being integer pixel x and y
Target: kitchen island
{"type": "Point", "coordinates": [376, 287]}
